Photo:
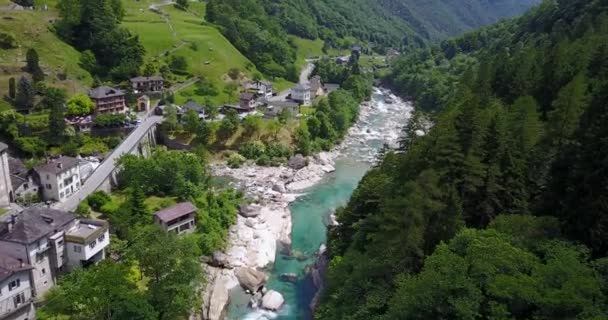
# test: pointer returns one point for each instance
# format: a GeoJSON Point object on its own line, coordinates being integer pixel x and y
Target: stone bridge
{"type": "Point", "coordinates": [140, 141]}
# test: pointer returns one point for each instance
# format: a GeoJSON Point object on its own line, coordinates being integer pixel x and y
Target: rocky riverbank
{"type": "Point", "coordinates": [261, 226]}
{"type": "Point", "coordinates": [266, 223]}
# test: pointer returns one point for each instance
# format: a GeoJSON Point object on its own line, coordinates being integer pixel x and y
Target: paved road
{"type": "Point", "coordinates": [107, 166]}
{"type": "Point", "coordinates": [304, 76]}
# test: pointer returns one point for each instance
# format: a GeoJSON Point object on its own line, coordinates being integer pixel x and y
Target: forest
{"type": "Point", "coordinates": [260, 28]}
{"type": "Point", "coordinates": [499, 211]}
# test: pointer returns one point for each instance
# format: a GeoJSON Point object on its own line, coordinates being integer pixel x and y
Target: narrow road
{"type": "Point", "coordinates": [108, 165]}
{"type": "Point", "coordinates": [304, 76]}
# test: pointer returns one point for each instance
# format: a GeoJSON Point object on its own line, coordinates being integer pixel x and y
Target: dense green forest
{"type": "Point", "coordinates": [498, 212]}
{"type": "Point", "coordinates": [259, 28]}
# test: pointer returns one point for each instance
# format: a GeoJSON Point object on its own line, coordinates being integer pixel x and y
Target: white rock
{"type": "Point", "coordinates": [272, 300]}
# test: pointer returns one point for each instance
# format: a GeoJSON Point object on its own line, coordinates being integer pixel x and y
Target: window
{"type": "Point", "coordinates": [92, 244]}
{"type": "Point", "coordinates": [60, 242]}
{"type": "Point", "coordinates": [14, 284]}
{"type": "Point", "coordinates": [101, 237]}
{"type": "Point", "coordinates": [61, 195]}
{"type": "Point", "coordinates": [43, 271]}
{"type": "Point", "coordinates": [77, 248]}
{"type": "Point", "coordinates": [25, 186]}
{"type": "Point", "coordinates": [60, 185]}
{"type": "Point", "coordinates": [48, 176]}
{"type": "Point", "coordinates": [38, 258]}
{"type": "Point", "coordinates": [48, 186]}
{"type": "Point", "coordinates": [19, 299]}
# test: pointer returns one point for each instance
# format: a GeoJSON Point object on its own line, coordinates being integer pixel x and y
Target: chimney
{"type": "Point", "coordinates": [60, 165]}
{"type": "Point", "coordinates": [10, 223]}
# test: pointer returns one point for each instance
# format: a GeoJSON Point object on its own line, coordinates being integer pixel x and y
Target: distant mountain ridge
{"type": "Point", "coordinates": [437, 19]}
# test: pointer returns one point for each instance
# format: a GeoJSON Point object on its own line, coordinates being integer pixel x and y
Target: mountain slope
{"type": "Point", "coordinates": [259, 28]}
{"type": "Point", "coordinates": [499, 211]}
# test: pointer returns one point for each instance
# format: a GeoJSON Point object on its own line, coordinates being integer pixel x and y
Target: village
{"type": "Point", "coordinates": [40, 241]}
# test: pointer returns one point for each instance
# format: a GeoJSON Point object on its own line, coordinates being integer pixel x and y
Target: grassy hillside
{"type": "Point", "coordinates": [32, 30]}
{"type": "Point", "coordinates": [184, 33]}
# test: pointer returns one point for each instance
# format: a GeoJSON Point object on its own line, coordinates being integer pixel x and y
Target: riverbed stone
{"type": "Point", "coordinates": [251, 279]}
{"type": "Point", "coordinates": [220, 260]}
{"type": "Point", "coordinates": [297, 162]}
{"type": "Point", "coordinates": [279, 187]}
{"type": "Point", "coordinates": [272, 300]}
{"type": "Point", "coordinates": [250, 211]}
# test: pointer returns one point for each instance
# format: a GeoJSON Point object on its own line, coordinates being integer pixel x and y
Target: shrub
{"type": "Point", "coordinates": [252, 150]}
{"type": "Point", "coordinates": [263, 160]}
{"type": "Point", "coordinates": [83, 209]}
{"type": "Point", "coordinates": [277, 150]}
{"type": "Point", "coordinates": [235, 160]}
{"type": "Point", "coordinates": [98, 199]}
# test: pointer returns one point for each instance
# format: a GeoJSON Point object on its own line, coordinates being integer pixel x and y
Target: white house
{"type": "Point", "coordinates": [59, 178]}
{"type": "Point", "coordinates": [301, 94]}
{"type": "Point", "coordinates": [6, 189]}
{"type": "Point", "coordinates": [16, 301]}
{"type": "Point", "coordinates": [46, 239]}
{"type": "Point", "coordinates": [86, 243]}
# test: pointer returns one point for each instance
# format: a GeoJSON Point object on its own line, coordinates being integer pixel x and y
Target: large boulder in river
{"type": "Point", "coordinates": [272, 300]}
{"type": "Point", "coordinates": [249, 211]}
{"type": "Point", "coordinates": [251, 279]}
{"type": "Point", "coordinates": [220, 260]}
{"type": "Point", "coordinates": [297, 162]}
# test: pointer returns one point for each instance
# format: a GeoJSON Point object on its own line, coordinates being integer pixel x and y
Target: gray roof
{"type": "Point", "coordinates": [16, 166]}
{"type": "Point", "coordinates": [151, 78]}
{"type": "Point", "coordinates": [286, 103]}
{"type": "Point", "coordinates": [105, 92]}
{"type": "Point", "coordinates": [192, 105]}
{"type": "Point", "coordinates": [3, 146]}
{"type": "Point", "coordinates": [10, 265]}
{"type": "Point", "coordinates": [331, 86]}
{"type": "Point", "coordinates": [302, 87]}
{"type": "Point", "coordinates": [57, 166]}
{"type": "Point", "coordinates": [247, 96]}
{"type": "Point", "coordinates": [176, 211]}
{"type": "Point", "coordinates": [17, 181]}
{"type": "Point", "coordinates": [35, 223]}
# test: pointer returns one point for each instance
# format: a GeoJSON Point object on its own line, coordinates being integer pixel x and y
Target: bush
{"type": "Point", "coordinates": [7, 41]}
{"type": "Point", "coordinates": [83, 209]}
{"type": "Point", "coordinates": [277, 150]}
{"type": "Point", "coordinates": [252, 150]}
{"type": "Point", "coordinates": [235, 160]}
{"type": "Point", "coordinates": [263, 160]}
{"type": "Point", "coordinates": [98, 199]}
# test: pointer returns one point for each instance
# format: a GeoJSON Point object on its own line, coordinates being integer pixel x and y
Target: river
{"type": "Point", "coordinates": [379, 122]}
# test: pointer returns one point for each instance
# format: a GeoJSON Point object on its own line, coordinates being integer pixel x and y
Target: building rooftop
{"type": "Point", "coordinates": [176, 211]}
{"type": "Point", "coordinates": [193, 105]}
{"type": "Point", "coordinates": [301, 87]}
{"type": "Point", "coordinates": [286, 103]}
{"type": "Point", "coordinates": [151, 78]}
{"type": "Point", "coordinates": [10, 265]}
{"type": "Point", "coordinates": [247, 96]}
{"type": "Point", "coordinates": [105, 92]}
{"type": "Point", "coordinates": [86, 230]}
{"type": "Point", "coordinates": [57, 166]}
{"type": "Point", "coordinates": [34, 223]}
{"type": "Point", "coordinates": [16, 166]}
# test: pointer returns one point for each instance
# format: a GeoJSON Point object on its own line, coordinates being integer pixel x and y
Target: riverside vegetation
{"type": "Point", "coordinates": [498, 212]}
{"type": "Point", "coordinates": [139, 284]}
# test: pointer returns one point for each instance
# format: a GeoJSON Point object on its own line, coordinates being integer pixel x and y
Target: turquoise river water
{"type": "Point", "coordinates": [379, 123]}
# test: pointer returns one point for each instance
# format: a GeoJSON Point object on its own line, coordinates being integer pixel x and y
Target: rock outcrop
{"type": "Point", "coordinates": [249, 211]}
{"type": "Point", "coordinates": [251, 279]}
{"type": "Point", "coordinates": [289, 277]}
